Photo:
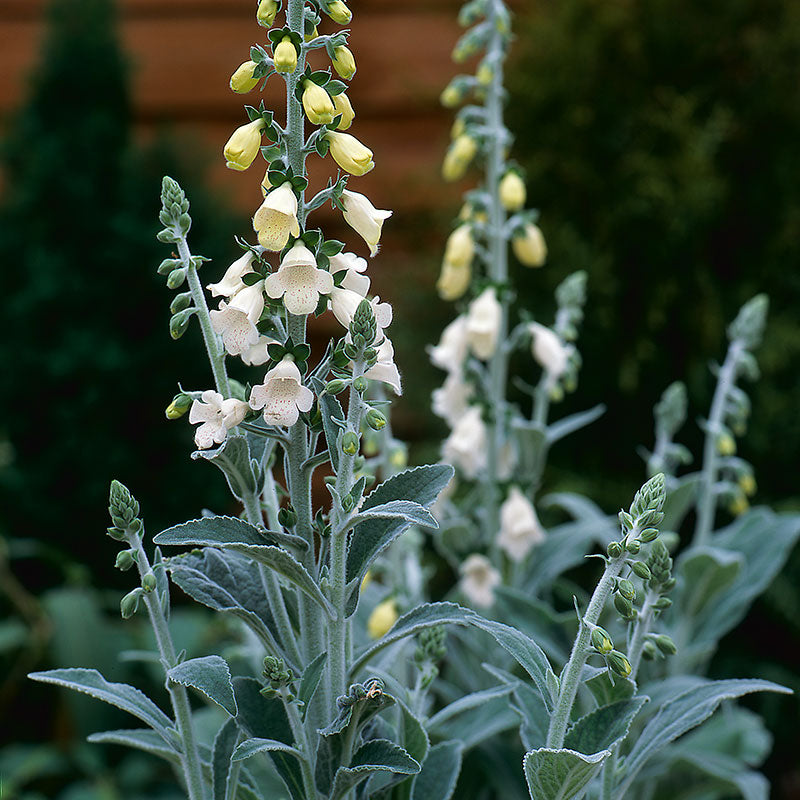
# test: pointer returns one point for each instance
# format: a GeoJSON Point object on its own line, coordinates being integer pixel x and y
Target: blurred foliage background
{"type": "Point", "coordinates": [662, 143]}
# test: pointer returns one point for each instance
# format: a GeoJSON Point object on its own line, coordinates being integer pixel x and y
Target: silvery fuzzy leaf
{"type": "Point", "coordinates": [224, 744]}
{"type": "Point", "coordinates": [233, 459]}
{"type": "Point", "coordinates": [209, 675]}
{"type": "Point", "coordinates": [376, 755]}
{"type": "Point", "coordinates": [140, 739]}
{"type": "Point", "coordinates": [561, 774]}
{"type": "Point", "coordinates": [604, 727]}
{"type": "Point", "coordinates": [439, 773]}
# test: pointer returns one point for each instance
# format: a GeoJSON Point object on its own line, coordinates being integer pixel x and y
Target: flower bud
{"type": "Point", "coordinates": [267, 9]}
{"type": "Point", "coordinates": [341, 105]}
{"type": "Point", "coordinates": [626, 589]}
{"type": "Point", "coordinates": [666, 645]}
{"type": "Point", "coordinates": [602, 641]}
{"type": "Point", "coordinates": [453, 281]}
{"type": "Point", "coordinates": [375, 419]}
{"type": "Point", "coordinates": [360, 384]}
{"type": "Point", "coordinates": [738, 505]}
{"type": "Point", "coordinates": [624, 606]}
{"type": "Point", "coordinates": [339, 12]}
{"type": "Point", "coordinates": [458, 157]}
{"type": "Point", "coordinates": [747, 483]}
{"type": "Point", "coordinates": [179, 322]}
{"type": "Point", "coordinates": [125, 560]}
{"type": "Point", "coordinates": [180, 302]}
{"type": "Point", "coordinates": [662, 603]}
{"type": "Point", "coordinates": [451, 96]}
{"type": "Point", "coordinates": [641, 570]}
{"type": "Point", "coordinates": [350, 154]}
{"type": "Point", "coordinates": [614, 549]}
{"type": "Point", "coordinates": [130, 603]}
{"type": "Point", "coordinates": [618, 663]}
{"type": "Point", "coordinates": [349, 443]}
{"type": "Point", "coordinates": [460, 247]}
{"type": "Point", "coordinates": [176, 278]}
{"type": "Point", "coordinates": [633, 546]}
{"type": "Point", "coordinates": [530, 248]}
{"type": "Point", "coordinates": [484, 73]}
{"type": "Point", "coordinates": [343, 62]}
{"type": "Point", "coordinates": [348, 503]}
{"type": "Point", "coordinates": [242, 148]}
{"type": "Point", "coordinates": [649, 651]}
{"type": "Point", "coordinates": [649, 534]}
{"type": "Point", "coordinates": [512, 191]}
{"type": "Point", "coordinates": [382, 618]}
{"type": "Point", "coordinates": [284, 56]}
{"type": "Point", "coordinates": [726, 444]}
{"type": "Point", "coordinates": [287, 517]}
{"type": "Point", "coordinates": [242, 81]}
{"type": "Point", "coordinates": [180, 404]}
{"type": "Point", "coordinates": [149, 583]}
{"type": "Point", "coordinates": [276, 672]}
{"type": "Point", "coordinates": [317, 104]}
{"type": "Point", "coordinates": [335, 386]}
{"type": "Point", "coordinates": [117, 534]}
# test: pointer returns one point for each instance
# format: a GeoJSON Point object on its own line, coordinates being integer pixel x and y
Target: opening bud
{"type": "Point", "coordinates": [624, 606]}
{"type": "Point", "coordinates": [641, 570]}
{"type": "Point", "coordinates": [284, 56]}
{"type": "Point", "coordinates": [666, 645]}
{"type": "Point", "coordinates": [602, 640]}
{"type": "Point", "coordinates": [125, 560]}
{"type": "Point", "coordinates": [267, 10]}
{"type": "Point", "coordinates": [343, 62]}
{"type": "Point", "coordinates": [375, 419]}
{"type": "Point", "coordinates": [149, 583]}
{"type": "Point", "coordinates": [618, 663]}
{"type": "Point", "coordinates": [360, 384]}
{"type": "Point", "coordinates": [349, 443]}
{"type": "Point", "coordinates": [335, 386]}
{"type": "Point", "coordinates": [180, 404]}
{"type": "Point", "coordinates": [626, 589]}
{"type": "Point", "coordinates": [130, 603]}
{"type": "Point", "coordinates": [339, 12]}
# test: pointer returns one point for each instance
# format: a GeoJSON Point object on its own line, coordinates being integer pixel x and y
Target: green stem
{"type": "Point", "coordinates": [301, 740]}
{"type": "Point", "coordinates": [571, 677]}
{"type": "Point", "coordinates": [640, 630]}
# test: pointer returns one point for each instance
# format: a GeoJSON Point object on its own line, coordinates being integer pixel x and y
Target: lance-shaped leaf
{"type": "Point", "coordinates": [310, 680]}
{"type": "Point", "coordinates": [439, 773]}
{"type": "Point", "coordinates": [209, 675]}
{"type": "Point", "coordinates": [476, 717]}
{"type": "Point", "coordinates": [250, 747]}
{"type": "Point", "coordinates": [331, 410]}
{"type": "Point", "coordinates": [139, 739]}
{"type": "Point", "coordinates": [233, 458]}
{"type": "Point", "coordinates": [561, 774]}
{"type": "Point", "coordinates": [703, 573]}
{"type": "Point", "coordinates": [376, 755]}
{"type": "Point", "coordinates": [91, 682]}
{"type": "Point", "coordinates": [604, 727]}
{"type": "Point", "coordinates": [234, 534]}
{"type": "Point", "coordinates": [574, 422]}
{"type": "Point", "coordinates": [685, 712]}
{"type": "Point", "coordinates": [221, 766]}
{"type": "Point", "coordinates": [406, 510]}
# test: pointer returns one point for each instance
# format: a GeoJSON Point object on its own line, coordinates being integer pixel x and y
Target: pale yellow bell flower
{"type": "Point", "coordinates": [382, 618]}
{"type": "Point", "coordinates": [343, 62]}
{"type": "Point", "coordinates": [366, 220]}
{"type": "Point", "coordinates": [350, 154]}
{"type": "Point", "coordinates": [339, 12]}
{"type": "Point", "coordinates": [276, 218]}
{"type": "Point", "coordinates": [458, 127]}
{"type": "Point", "coordinates": [530, 248]}
{"type": "Point", "coordinates": [450, 97]}
{"type": "Point", "coordinates": [341, 104]}
{"type": "Point", "coordinates": [460, 247]}
{"type": "Point", "coordinates": [308, 37]}
{"type": "Point", "coordinates": [484, 74]}
{"type": "Point", "coordinates": [317, 104]}
{"type": "Point", "coordinates": [458, 157]}
{"type": "Point", "coordinates": [484, 319]}
{"type": "Point", "coordinates": [267, 9]}
{"type": "Point", "coordinates": [512, 191]}
{"type": "Point", "coordinates": [284, 57]}
{"type": "Point", "coordinates": [242, 81]}
{"type": "Point", "coordinates": [453, 281]}
{"type": "Point", "coordinates": [242, 148]}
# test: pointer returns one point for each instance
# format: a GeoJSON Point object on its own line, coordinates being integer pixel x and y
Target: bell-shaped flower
{"type": "Point", "coordinates": [451, 400]}
{"type": "Point", "coordinates": [298, 281]}
{"type": "Point", "coordinates": [458, 157]}
{"type": "Point", "coordinates": [366, 220]}
{"type": "Point", "coordinates": [354, 267]}
{"type": "Point", "coordinates": [484, 319]}
{"type": "Point", "coordinates": [549, 351]}
{"type": "Point", "coordinates": [344, 302]}
{"type": "Point", "coordinates": [276, 218]}
{"type": "Point", "coordinates": [460, 247]}
{"type": "Point", "coordinates": [258, 354]}
{"type": "Point", "coordinates": [343, 62]}
{"type": "Point", "coordinates": [284, 56]}
{"type": "Point", "coordinates": [530, 247]}
{"type": "Point", "coordinates": [317, 104]}
{"type": "Point", "coordinates": [242, 81]}
{"type": "Point", "coordinates": [512, 191]}
{"type": "Point", "coordinates": [266, 12]}
{"type": "Point", "coordinates": [467, 443]}
{"type": "Point", "coordinates": [242, 148]}
{"type": "Point", "coordinates": [217, 416]}
{"type": "Point", "coordinates": [343, 106]}
{"type": "Point", "coordinates": [338, 12]}
{"type": "Point", "coordinates": [451, 351]}
{"type": "Point", "coordinates": [236, 321]}
{"type": "Point", "coordinates": [382, 618]}
{"type": "Point", "coordinates": [282, 395]}
{"type": "Point", "coordinates": [478, 580]}
{"type": "Point", "coordinates": [520, 530]}
{"type": "Point", "coordinates": [384, 369]}
{"type": "Point", "coordinates": [453, 281]}
{"type": "Point", "coordinates": [349, 153]}
{"type": "Point", "coordinates": [232, 279]}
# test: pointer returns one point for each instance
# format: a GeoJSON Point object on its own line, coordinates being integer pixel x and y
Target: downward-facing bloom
{"type": "Point", "coordinates": [276, 218]}
{"type": "Point", "coordinates": [284, 57]}
{"type": "Point", "coordinates": [384, 369]}
{"type": "Point", "coordinates": [466, 445]}
{"type": "Point", "coordinates": [242, 148]}
{"type": "Point", "coordinates": [519, 526]}
{"type": "Point", "coordinates": [512, 191]}
{"type": "Point", "coordinates": [217, 416]}
{"type": "Point", "coordinates": [366, 220]}
{"type": "Point", "coordinates": [451, 351]}
{"type": "Point", "coordinates": [451, 400]}
{"type": "Point", "coordinates": [317, 104]}
{"type": "Point", "coordinates": [232, 279]}
{"type": "Point", "coordinates": [478, 580]}
{"type": "Point", "coordinates": [460, 247]}
{"type": "Point", "coordinates": [343, 62]}
{"type": "Point", "coordinates": [282, 395]}
{"type": "Point", "coordinates": [298, 281]}
{"type": "Point", "coordinates": [354, 266]}
{"type": "Point", "coordinates": [530, 247]}
{"type": "Point", "coordinates": [349, 153]}
{"type": "Point", "coordinates": [484, 318]}
{"type": "Point", "coordinates": [549, 351]}
{"type": "Point", "coordinates": [339, 12]}
{"type": "Point", "coordinates": [236, 321]}
{"type": "Point", "coordinates": [342, 105]}
{"type": "Point", "coordinates": [344, 302]}
{"type": "Point", "coordinates": [242, 81]}
{"type": "Point", "coordinates": [458, 157]}
{"type": "Point", "coordinates": [258, 353]}
{"type": "Point", "coordinates": [267, 10]}
{"type": "Point", "coordinates": [453, 281]}
{"type": "Point", "coordinates": [380, 621]}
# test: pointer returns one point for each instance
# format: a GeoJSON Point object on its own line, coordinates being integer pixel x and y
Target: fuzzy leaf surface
{"type": "Point", "coordinates": [224, 743]}
{"type": "Point", "coordinates": [209, 675]}
{"type": "Point", "coordinates": [561, 774]}
{"type": "Point", "coordinates": [602, 728]}
{"type": "Point", "coordinates": [139, 739]}
{"type": "Point", "coordinates": [439, 773]}
{"type": "Point", "coordinates": [376, 755]}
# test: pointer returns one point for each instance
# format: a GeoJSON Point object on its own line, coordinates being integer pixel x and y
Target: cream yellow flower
{"type": "Point", "coordinates": [484, 318]}
{"type": "Point", "coordinates": [242, 148]}
{"type": "Point", "coordinates": [216, 417]}
{"type": "Point", "coordinates": [466, 445]}
{"type": "Point", "coordinates": [317, 104]}
{"type": "Point", "coordinates": [530, 248]}
{"type": "Point", "coordinates": [343, 62]}
{"type": "Point", "coordinates": [458, 157]}
{"type": "Point", "coordinates": [366, 220]}
{"type": "Point", "coordinates": [451, 96]}
{"type": "Point", "coordinates": [298, 281]}
{"type": "Point", "coordinates": [382, 618]}
{"type": "Point", "coordinates": [520, 530]}
{"type": "Point", "coordinates": [460, 247]}
{"type": "Point", "coordinates": [276, 218]}
{"type": "Point", "coordinates": [512, 191]}
{"type": "Point", "coordinates": [450, 352]}
{"type": "Point", "coordinates": [453, 281]}
{"type": "Point", "coordinates": [341, 105]}
{"type": "Point", "coordinates": [242, 81]}
{"type": "Point", "coordinates": [284, 57]}
{"type": "Point", "coordinates": [339, 12]}
{"type": "Point", "coordinates": [267, 9]}
{"type": "Point", "coordinates": [349, 153]}
{"type": "Point", "coordinates": [282, 395]}
{"type": "Point", "coordinates": [549, 351]}
{"type": "Point", "coordinates": [478, 581]}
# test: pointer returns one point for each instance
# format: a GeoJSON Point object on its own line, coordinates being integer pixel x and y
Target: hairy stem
{"type": "Point", "coordinates": [301, 740]}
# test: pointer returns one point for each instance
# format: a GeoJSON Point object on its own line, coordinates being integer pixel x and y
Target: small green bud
{"type": "Point", "coordinates": [276, 672]}
{"type": "Point", "coordinates": [624, 606]}
{"type": "Point", "coordinates": [130, 603]}
{"type": "Point", "coordinates": [287, 517]}
{"type": "Point", "coordinates": [666, 645]}
{"type": "Point", "coordinates": [176, 278]}
{"type": "Point", "coordinates": [375, 419]}
{"type": "Point", "coordinates": [180, 302]}
{"type": "Point", "coordinates": [649, 534]}
{"type": "Point", "coordinates": [335, 386]}
{"type": "Point", "coordinates": [641, 570]}
{"type": "Point", "coordinates": [125, 560]}
{"type": "Point", "coordinates": [625, 520]}
{"type": "Point", "coordinates": [618, 663]}
{"type": "Point", "coordinates": [149, 583]}
{"type": "Point", "coordinates": [360, 384]}
{"type": "Point", "coordinates": [116, 533]}
{"type": "Point", "coordinates": [349, 443]}
{"type": "Point", "coordinates": [614, 549]}
{"type": "Point", "coordinates": [348, 503]}
{"type": "Point", "coordinates": [668, 585]}
{"type": "Point", "coordinates": [649, 651]}
{"type": "Point", "coordinates": [602, 641]}
{"type": "Point", "coordinates": [180, 404]}
{"type": "Point", "coordinates": [662, 603]}
{"type": "Point", "coordinates": [122, 505]}
{"type": "Point", "coordinates": [633, 546]}
{"type": "Point", "coordinates": [626, 589]}
{"type": "Point", "coordinates": [358, 463]}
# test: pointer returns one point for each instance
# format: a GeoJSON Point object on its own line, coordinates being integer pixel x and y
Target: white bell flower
{"type": "Point", "coordinates": [484, 318]}
{"type": "Point", "coordinates": [354, 266]}
{"type": "Point", "coordinates": [549, 351]}
{"type": "Point", "coordinates": [519, 526]}
{"type": "Point", "coordinates": [232, 279]}
{"type": "Point", "coordinates": [384, 369]}
{"type": "Point", "coordinates": [282, 395]}
{"type": "Point", "coordinates": [451, 351]}
{"type": "Point", "coordinates": [298, 281]}
{"type": "Point", "coordinates": [217, 417]}
{"type": "Point", "coordinates": [366, 220]}
{"type": "Point", "coordinates": [451, 399]}
{"type": "Point", "coordinates": [467, 443]}
{"type": "Point", "coordinates": [344, 302]}
{"type": "Point", "coordinates": [276, 218]}
{"type": "Point", "coordinates": [236, 321]}
{"type": "Point", "coordinates": [478, 580]}
{"type": "Point", "coordinates": [258, 354]}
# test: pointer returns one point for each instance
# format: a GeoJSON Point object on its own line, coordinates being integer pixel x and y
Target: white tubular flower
{"type": "Point", "coordinates": [257, 354]}
{"type": "Point", "coordinates": [484, 318]}
{"type": "Point", "coordinates": [282, 395]}
{"type": "Point", "coordinates": [451, 400]}
{"type": "Point", "coordinates": [354, 266]}
{"type": "Point", "coordinates": [217, 417]}
{"type": "Point", "coordinates": [519, 526]}
{"type": "Point", "coordinates": [232, 279]}
{"type": "Point", "coordinates": [276, 218]}
{"type": "Point", "coordinates": [344, 302]}
{"type": "Point", "coordinates": [460, 247]}
{"type": "Point", "coordinates": [467, 443]}
{"type": "Point", "coordinates": [530, 248]}
{"type": "Point", "coordinates": [366, 220]}
{"type": "Point", "coordinates": [384, 369]}
{"type": "Point", "coordinates": [549, 351]}
{"type": "Point", "coordinates": [236, 321]}
{"type": "Point", "coordinates": [451, 351]}
{"type": "Point", "coordinates": [298, 281]}
{"type": "Point", "coordinates": [478, 579]}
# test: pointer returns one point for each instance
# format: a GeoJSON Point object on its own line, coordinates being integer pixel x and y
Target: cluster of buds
{"type": "Point", "coordinates": [276, 674]}
{"type": "Point", "coordinates": [669, 414]}
{"type": "Point", "coordinates": [431, 649]}
{"type": "Point", "coordinates": [371, 689]}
